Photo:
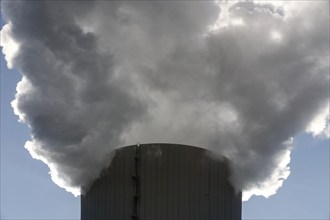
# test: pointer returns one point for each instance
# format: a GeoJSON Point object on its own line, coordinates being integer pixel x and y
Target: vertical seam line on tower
{"type": "Point", "coordinates": [136, 180]}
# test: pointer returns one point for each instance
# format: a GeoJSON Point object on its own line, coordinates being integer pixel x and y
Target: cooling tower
{"type": "Point", "coordinates": [162, 181]}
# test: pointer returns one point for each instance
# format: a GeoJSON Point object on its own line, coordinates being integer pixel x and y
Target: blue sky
{"type": "Point", "coordinates": [27, 191]}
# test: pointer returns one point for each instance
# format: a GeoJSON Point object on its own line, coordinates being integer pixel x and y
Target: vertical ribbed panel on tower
{"type": "Point", "coordinates": [163, 181]}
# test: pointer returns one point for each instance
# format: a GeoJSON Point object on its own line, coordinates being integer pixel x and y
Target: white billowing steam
{"type": "Point", "coordinates": [239, 78]}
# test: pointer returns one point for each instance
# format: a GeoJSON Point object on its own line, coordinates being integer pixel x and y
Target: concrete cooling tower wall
{"type": "Point", "coordinates": [162, 181]}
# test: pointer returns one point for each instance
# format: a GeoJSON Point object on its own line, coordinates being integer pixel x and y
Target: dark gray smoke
{"type": "Point", "coordinates": [239, 78]}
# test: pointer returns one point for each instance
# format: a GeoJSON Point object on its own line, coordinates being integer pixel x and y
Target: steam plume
{"type": "Point", "coordinates": [239, 78]}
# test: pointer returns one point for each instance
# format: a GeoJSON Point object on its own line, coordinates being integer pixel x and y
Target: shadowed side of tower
{"type": "Point", "coordinates": [163, 181]}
